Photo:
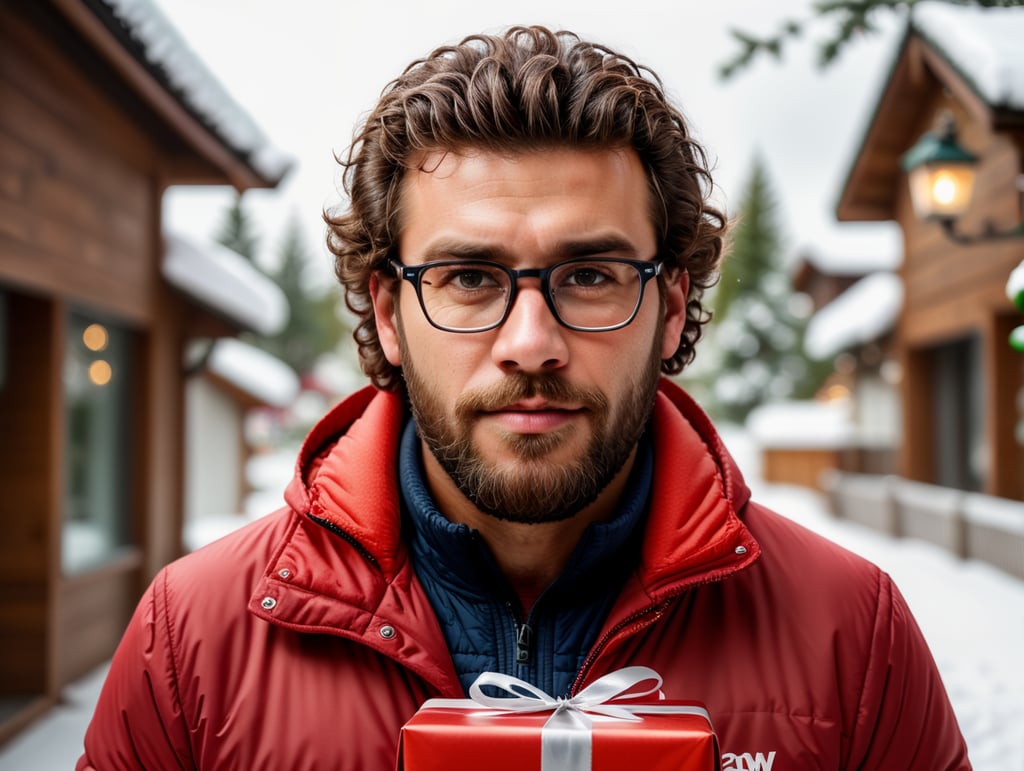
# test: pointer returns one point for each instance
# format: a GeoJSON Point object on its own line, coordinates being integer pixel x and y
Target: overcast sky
{"type": "Point", "coordinates": [307, 70]}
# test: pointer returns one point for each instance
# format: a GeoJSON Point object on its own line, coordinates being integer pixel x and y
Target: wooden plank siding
{"type": "Point", "coordinates": [81, 180]}
{"type": "Point", "coordinates": [77, 184]}
{"type": "Point", "coordinates": [30, 475]}
{"type": "Point", "coordinates": [954, 291]}
{"type": "Point", "coordinates": [1004, 387]}
{"type": "Point", "coordinates": [91, 135]}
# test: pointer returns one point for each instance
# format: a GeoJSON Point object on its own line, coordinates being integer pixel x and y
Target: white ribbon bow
{"type": "Point", "coordinates": [565, 737]}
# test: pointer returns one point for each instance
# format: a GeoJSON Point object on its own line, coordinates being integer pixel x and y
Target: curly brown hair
{"type": "Point", "coordinates": [528, 88]}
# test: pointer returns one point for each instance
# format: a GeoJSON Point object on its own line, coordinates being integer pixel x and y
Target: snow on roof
{"type": "Point", "coordinates": [840, 264]}
{"type": "Point", "coordinates": [1015, 286]}
{"type": "Point", "coordinates": [983, 44]}
{"type": "Point", "coordinates": [802, 424]}
{"type": "Point", "coordinates": [225, 282]}
{"type": "Point", "coordinates": [254, 371]}
{"type": "Point", "coordinates": [166, 50]}
{"type": "Point", "coordinates": [864, 312]}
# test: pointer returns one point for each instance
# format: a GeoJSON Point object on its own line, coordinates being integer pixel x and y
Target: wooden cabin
{"type": "Point", "coordinates": [962, 386]}
{"type": "Point", "coordinates": [94, 126]}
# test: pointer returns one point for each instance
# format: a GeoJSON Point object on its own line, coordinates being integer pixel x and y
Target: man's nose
{"type": "Point", "coordinates": [531, 339]}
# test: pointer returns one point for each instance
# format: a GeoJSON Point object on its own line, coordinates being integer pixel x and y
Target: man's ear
{"type": "Point", "coordinates": [384, 295]}
{"type": "Point", "coordinates": [677, 288]}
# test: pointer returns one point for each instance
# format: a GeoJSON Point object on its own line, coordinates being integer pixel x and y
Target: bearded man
{"type": "Point", "coordinates": [521, 490]}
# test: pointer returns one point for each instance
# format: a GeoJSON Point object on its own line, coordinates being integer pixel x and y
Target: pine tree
{"type": "Point", "coordinates": [313, 327]}
{"type": "Point", "coordinates": [756, 242]}
{"type": "Point", "coordinates": [237, 231]}
{"type": "Point", "coordinates": [759, 320]}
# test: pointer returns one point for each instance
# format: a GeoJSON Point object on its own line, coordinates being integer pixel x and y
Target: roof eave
{"type": "Point", "coordinates": [848, 208]}
{"type": "Point", "coordinates": [96, 24]}
{"type": "Point", "coordinates": [883, 136]}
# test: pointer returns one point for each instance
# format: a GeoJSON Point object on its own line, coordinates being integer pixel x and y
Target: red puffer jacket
{"type": "Point", "coordinates": [304, 641]}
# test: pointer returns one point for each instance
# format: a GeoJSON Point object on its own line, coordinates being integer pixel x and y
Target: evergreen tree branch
{"type": "Point", "coordinates": [852, 18]}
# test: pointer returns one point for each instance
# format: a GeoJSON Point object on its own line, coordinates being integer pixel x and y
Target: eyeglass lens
{"type": "Point", "coordinates": [585, 294]}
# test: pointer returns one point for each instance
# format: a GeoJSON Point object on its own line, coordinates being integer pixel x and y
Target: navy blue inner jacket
{"type": "Point", "coordinates": [478, 609]}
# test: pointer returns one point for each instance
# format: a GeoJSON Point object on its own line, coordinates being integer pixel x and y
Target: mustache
{"type": "Point", "coordinates": [519, 386]}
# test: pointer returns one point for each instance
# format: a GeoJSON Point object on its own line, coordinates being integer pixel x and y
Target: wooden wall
{"type": "Point", "coordinates": [799, 466]}
{"type": "Point", "coordinates": [954, 291]}
{"type": "Point", "coordinates": [81, 180]}
{"type": "Point", "coordinates": [77, 192]}
{"type": "Point", "coordinates": [30, 476]}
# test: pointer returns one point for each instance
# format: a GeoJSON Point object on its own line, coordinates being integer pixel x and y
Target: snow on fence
{"type": "Point", "coordinates": [970, 525]}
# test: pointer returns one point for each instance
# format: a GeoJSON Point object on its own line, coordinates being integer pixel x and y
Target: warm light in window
{"type": "Point", "coordinates": [95, 337]}
{"type": "Point", "coordinates": [100, 372]}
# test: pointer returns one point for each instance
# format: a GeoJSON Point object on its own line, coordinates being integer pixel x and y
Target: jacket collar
{"type": "Point", "coordinates": [347, 476]}
{"type": "Point", "coordinates": [694, 534]}
{"type": "Point", "coordinates": [346, 480]}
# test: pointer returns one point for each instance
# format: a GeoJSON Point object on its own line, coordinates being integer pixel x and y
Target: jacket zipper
{"type": "Point", "coordinates": [326, 523]}
{"type": "Point", "coordinates": [524, 636]}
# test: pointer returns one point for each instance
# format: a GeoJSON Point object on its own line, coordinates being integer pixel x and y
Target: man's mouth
{"type": "Point", "coordinates": [533, 416]}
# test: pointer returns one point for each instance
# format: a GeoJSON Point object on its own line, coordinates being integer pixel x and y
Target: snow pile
{"type": "Point", "coordinates": [864, 312]}
{"type": "Point", "coordinates": [983, 44]}
{"type": "Point", "coordinates": [225, 282]}
{"type": "Point", "coordinates": [166, 49]}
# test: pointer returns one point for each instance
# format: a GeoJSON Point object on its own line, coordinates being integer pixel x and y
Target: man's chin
{"type": "Point", "coordinates": [561, 446]}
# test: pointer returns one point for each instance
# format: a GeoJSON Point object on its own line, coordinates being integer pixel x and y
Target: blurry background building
{"type": "Point", "coordinates": [102, 107]}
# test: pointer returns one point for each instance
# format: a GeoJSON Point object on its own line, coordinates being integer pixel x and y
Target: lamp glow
{"type": "Point", "coordinates": [944, 189]}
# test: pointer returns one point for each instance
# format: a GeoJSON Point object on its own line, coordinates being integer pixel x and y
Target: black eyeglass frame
{"type": "Point", "coordinates": [646, 270]}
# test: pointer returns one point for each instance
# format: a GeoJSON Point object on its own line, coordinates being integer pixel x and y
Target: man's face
{"type": "Point", "coordinates": [531, 420]}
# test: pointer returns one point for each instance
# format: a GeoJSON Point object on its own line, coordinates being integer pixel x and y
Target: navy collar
{"type": "Point", "coordinates": [456, 556]}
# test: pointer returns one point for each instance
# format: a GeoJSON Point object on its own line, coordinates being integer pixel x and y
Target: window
{"type": "Point", "coordinates": [98, 393]}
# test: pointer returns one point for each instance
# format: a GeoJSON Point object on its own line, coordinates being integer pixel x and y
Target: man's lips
{"type": "Point", "coordinates": [533, 416]}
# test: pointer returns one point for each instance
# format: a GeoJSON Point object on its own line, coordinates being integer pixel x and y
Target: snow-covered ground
{"type": "Point", "coordinates": [971, 614]}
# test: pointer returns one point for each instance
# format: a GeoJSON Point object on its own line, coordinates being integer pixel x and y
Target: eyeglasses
{"type": "Point", "coordinates": [592, 294]}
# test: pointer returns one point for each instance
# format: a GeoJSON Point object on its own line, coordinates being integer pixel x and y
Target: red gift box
{"type": "Point", "coordinates": [539, 733]}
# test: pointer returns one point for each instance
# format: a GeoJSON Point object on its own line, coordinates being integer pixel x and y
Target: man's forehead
{"type": "Point", "coordinates": [539, 201]}
{"type": "Point", "coordinates": [442, 163]}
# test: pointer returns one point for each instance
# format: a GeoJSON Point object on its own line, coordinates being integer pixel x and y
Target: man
{"type": "Point", "coordinates": [528, 241]}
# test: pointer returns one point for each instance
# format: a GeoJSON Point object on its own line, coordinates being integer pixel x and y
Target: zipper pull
{"type": "Point", "coordinates": [524, 636]}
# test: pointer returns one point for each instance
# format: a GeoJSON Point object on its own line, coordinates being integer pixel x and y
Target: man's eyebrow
{"type": "Point", "coordinates": [584, 247]}
{"type": "Point", "coordinates": [592, 247]}
{"type": "Point", "coordinates": [462, 250]}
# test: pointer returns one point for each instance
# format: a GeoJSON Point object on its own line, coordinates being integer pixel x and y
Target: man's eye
{"type": "Point", "coordinates": [463, 278]}
{"type": "Point", "coordinates": [586, 277]}
{"type": "Point", "coordinates": [471, 279]}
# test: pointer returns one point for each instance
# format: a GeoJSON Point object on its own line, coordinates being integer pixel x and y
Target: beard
{"type": "Point", "coordinates": [532, 488]}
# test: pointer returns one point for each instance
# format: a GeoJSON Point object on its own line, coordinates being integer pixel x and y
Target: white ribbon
{"type": "Point", "coordinates": [565, 737]}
